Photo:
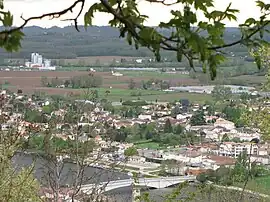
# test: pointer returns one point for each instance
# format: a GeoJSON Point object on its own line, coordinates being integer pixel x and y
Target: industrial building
{"type": "Point", "coordinates": [37, 61]}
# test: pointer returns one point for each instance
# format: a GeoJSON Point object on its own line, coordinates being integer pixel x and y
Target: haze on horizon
{"type": "Point", "coordinates": [156, 13]}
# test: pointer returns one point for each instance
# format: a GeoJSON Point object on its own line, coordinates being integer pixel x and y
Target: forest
{"type": "Point", "coordinates": [63, 43]}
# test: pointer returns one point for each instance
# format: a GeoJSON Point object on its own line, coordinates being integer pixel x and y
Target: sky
{"type": "Point", "coordinates": [156, 13]}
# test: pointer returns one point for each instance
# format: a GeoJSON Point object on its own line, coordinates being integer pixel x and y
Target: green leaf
{"type": "Point", "coordinates": [250, 21]}
{"type": "Point", "coordinates": [260, 4]}
{"type": "Point", "coordinates": [8, 19]}
{"type": "Point", "coordinates": [88, 17]}
{"type": "Point", "coordinates": [231, 17]}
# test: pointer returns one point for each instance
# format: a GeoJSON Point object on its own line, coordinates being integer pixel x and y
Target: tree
{"type": "Point", "coordinates": [168, 126]}
{"type": "Point", "coordinates": [234, 114]}
{"type": "Point", "coordinates": [197, 119]}
{"type": "Point", "coordinates": [131, 151]}
{"type": "Point", "coordinates": [131, 84]}
{"type": "Point", "coordinates": [44, 81]}
{"type": "Point", "coordinates": [262, 58]}
{"type": "Point", "coordinates": [179, 129]}
{"type": "Point", "coordinates": [66, 83]}
{"type": "Point", "coordinates": [175, 111]}
{"type": "Point", "coordinates": [55, 82]}
{"type": "Point", "coordinates": [225, 138]}
{"type": "Point", "coordinates": [180, 38]}
{"type": "Point", "coordinates": [221, 93]}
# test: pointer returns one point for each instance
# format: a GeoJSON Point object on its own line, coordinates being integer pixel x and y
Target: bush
{"type": "Point", "coordinates": [134, 94]}
{"type": "Point", "coordinates": [86, 81]}
{"type": "Point", "coordinates": [135, 103]}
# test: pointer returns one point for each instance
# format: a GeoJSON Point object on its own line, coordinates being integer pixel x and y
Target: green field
{"type": "Point", "coordinates": [252, 80]}
{"type": "Point", "coordinates": [147, 144]}
{"type": "Point", "coordinates": [154, 74]}
{"type": "Point", "coordinates": [260, 184]}
{"type": "Point", "coordinates": [148, 95]}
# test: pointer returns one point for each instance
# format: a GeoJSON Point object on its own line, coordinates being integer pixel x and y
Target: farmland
{"type": "Point", "coordinates": [30, 81]}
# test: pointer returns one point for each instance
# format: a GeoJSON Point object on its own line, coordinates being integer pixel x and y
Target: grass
{"type": "Point", "coordinates": [149, 95]}
{"type": "Point", "coordinates": [249, 79]}
{"type": "Point", "coordinates": [144, 144]}
{"type": "Point", "coordinates": [259, 184]}
{"type": "Point", "coordinates": [154, 74]}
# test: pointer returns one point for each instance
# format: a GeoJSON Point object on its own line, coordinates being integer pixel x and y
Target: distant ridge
{"type": "Point", "coordinates": [56, 42]}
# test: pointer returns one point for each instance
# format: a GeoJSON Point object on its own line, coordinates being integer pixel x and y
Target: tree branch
{"type": "Point", "coordinates": [242, 38]}
{"type": "Point", "coordinates": [53, 15]}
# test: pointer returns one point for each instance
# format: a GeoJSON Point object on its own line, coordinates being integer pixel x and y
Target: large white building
{"type": "Point", "coordinates": [233, 149]}
{"type": "Point", "coordinates": [37, 61]}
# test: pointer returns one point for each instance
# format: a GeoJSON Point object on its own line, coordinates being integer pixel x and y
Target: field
{"type": "Point", "coordinates": [249, 80]}
{"type": "Point", "coordinates": [95, 60]}
{"type": "Point", "coordinates": [260, 184]}
{"type": "Point", "coordinates": [29, 82]}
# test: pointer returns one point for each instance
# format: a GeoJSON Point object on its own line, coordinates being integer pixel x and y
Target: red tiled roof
{"type": "Point", "coordinates": [222, 160]}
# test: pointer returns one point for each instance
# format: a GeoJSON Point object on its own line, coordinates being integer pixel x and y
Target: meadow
{"type": "Point", "coordinates": [259, 184]}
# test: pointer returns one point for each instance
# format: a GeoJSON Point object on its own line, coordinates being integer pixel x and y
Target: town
{"type": "Point", "coordinates": [134, 101]}
{"type": "Point", "coordinates": [148, 138]}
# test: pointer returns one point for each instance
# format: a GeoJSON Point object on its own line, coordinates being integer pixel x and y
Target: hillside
{"type": "Point", "coordinates": [66, 42]}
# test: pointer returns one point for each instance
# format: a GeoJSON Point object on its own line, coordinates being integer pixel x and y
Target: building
{"type": "Point", "coordinates": [37, 61]}
{"type": "Point", "coordinates": [47, 63]}
{"type": "Point", "coordinates": [233, 149]}
{"type": "Point", "coordinates": [220, 122]}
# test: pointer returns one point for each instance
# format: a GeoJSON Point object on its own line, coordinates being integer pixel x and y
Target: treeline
{"type": "Point", "coordinates": [83, 81]}
{"type": "Point", "coordinates": [151, 84]}
{"type": "Point", "coordinates": [164, 135]}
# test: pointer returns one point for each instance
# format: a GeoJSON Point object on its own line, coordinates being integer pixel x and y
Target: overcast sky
{"type": "Point", "coordinates": [156, 13]}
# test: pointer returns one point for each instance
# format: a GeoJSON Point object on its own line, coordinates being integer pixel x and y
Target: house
{"type": "Point", "coordinates": [138, 159]}
{"type": "Point", "coordinates": [217, 161]}
{"type": "Point", "coordinates": [224, 123]}
{"type": "Point", "coordinates": [145, 117]}
{"type": "Point", "coordinates": [116, 74]}
{"type": "Point", "coordinates": [183, 117]}
{"type": "Point", "coordinates": [244, 134]}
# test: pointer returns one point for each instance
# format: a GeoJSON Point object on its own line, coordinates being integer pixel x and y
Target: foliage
{"type": "Point", "coordinates": [131, 151]}
{"type": "Point", "coordinates": [131, 84]}
{"type": "Point", "coordinates": [262, 56]}
{"type": "Point", "coordinates": [178, 129]}
{"type": "Point", "coordinates": [234, 114]}
{"type": "Point", "coordinates": [83, 81]}
{"type": "Point", "coordinates": [155, 84]}
{"type": "Point", "coordinates": [168, 126]}
{"type": "Point", "coordinates": [258, 118]}
{"type": "Point", "coordinates": [135, 103]}
{"type": "Point", "coordinates": [197, 119]}
{"type": "Point", "coordinates": [221, 93]}
{"type": "Point", "coordinates": [16, 184]}
{"type": "Point", "coordinates": [242, 171]}
{"type": "Point", "coordinates": [34, 116]}
{"type": "Point", "coordinates": [20, 187]}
